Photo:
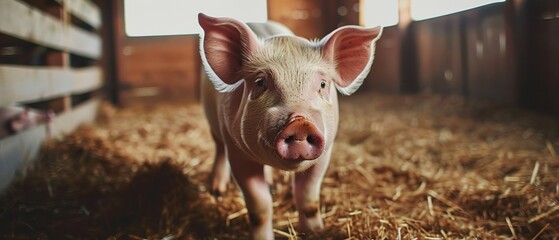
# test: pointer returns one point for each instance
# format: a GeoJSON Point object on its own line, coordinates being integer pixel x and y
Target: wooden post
{"type": "Point", "coordinates": [409, 82]}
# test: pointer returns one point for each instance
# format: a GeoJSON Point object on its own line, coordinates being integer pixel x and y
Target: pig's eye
{"type": "Point", "coordinates": [259, 82]}
{"type": "Point", "coordinates": [323, 84]}
{"type": "Point", "coordinates": [260, 86]}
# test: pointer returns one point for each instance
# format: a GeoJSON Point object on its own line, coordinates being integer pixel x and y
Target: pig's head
{"type": "Point", "coordinates": [287, 115]}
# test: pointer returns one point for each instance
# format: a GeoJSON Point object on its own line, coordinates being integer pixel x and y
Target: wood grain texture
{"type": "Point", "coordinates": [24, 84]}
{"type": "Point", "coordinates": [28, 23]}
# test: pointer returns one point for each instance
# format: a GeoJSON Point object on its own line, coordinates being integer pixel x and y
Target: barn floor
{"type": "Point", "coordinates": [403, 167]}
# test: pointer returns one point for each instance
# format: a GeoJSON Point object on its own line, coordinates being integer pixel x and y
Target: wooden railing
{"type": "Point", "coordinates": [50, 53]}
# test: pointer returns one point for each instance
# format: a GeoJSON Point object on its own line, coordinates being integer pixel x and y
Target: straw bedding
{"type": "Point", "coordinates": [402, 168]}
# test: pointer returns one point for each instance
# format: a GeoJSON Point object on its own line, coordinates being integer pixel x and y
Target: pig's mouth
{"type": "Point", "coordinates": [300, 140]}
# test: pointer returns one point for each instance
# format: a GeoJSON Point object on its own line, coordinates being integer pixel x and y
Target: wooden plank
{"type": "Point", "coordinates": [68, 121]}
{"type": "Point", "coordinates": [25, 84]}
{"type": "Point", "coordinates": [83, 43]}
{"type": "Point", "coordinates": [17, 152]}
{"type": "Point", "coordinates": [86, 11]}
{"type": "Point", "coordinates": [25, 22]}
{"type": "Point", "coordinates": [87, 79]}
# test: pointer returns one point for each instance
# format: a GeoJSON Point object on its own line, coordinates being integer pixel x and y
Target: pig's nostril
{"type": "Point", "coordinates": [289, 139]}
{"type": "Point", "coordinates": [312, 140]}
{"type": "Point", "coordinates": [299, 140]}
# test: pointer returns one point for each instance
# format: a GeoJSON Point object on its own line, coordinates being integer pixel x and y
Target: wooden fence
{"type": "Point", "coordinates": [49, 60]}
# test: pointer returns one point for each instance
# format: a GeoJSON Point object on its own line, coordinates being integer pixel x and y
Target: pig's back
{"type": "Point", "coordinates": [269, 29]}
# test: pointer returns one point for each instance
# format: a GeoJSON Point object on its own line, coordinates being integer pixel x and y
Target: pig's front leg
{"type": "Point", "coordinates": [220, 172]}
{"type": "Point", "coordinates": [306, 192]}
{"type": "Point", "coordinates": [250, 178]}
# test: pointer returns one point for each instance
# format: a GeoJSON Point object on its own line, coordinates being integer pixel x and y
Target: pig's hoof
{"type": "Point", "coordinates": [310, 225]}
{"type": "Point", "coordinates": [217, 192]}
{"type": "Point", "coordinates": [217, 195]}
{"type": "Point", "coordinates": [305, 228]}
{"type": "Point", "coordinates": [218, 188]}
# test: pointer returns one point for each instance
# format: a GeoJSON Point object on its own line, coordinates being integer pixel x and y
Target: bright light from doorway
{"type": "Point", "coordinates": [380, 12]}
{"type": "Point", "coordinates": [177, 17]}
{"type": "Point", "coordinates": [424, 9]}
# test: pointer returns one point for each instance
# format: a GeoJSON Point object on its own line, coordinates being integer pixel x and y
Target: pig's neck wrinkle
{"type": "Point", "coordinates": [234, 105]}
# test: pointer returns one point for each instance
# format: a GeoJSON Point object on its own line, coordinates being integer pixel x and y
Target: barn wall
{"type": "Point", "coordinates": [466, 54]}
{"type": "Point", "coordinates": [439, 56]}
{"type": "Point", "coordinates": [162, 67]}
{"type": "Point", "coordinates": [305, 18]}
{"type": "Point", "coordinates": [504, 52]}
{"type": "Point", "coordinates": [159, 67]}
{"type": "Point", "coordinates": [385, 73]}
{"type": "Point", "coordinates": [538, 30]}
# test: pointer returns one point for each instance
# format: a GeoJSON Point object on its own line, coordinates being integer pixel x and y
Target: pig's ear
{"type": "Point", "coordinates": [223, 49]}
{"type": "Point", "coordinates": [352, 50]}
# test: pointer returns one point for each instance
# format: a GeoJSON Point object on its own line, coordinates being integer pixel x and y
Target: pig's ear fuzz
{"type": "Point", "coordinates": [352, 88]}
{"type": "Point", "coordinates": [351, 49]}
{"type": "Point", "coordinates": [223, 48]}
{"type": "Point", "coordinates": [218, 84]}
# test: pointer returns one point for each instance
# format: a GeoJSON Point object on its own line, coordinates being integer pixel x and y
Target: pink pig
{"type": "Point", "coordinates": [18, 119]}
{"type": "Point", "coordinates": [271, 100]}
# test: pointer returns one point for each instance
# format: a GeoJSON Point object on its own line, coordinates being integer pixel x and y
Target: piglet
{"type": "Point", "coordinates": [17, 119]}
{"type": "Point", "coordinates": [270, 99]}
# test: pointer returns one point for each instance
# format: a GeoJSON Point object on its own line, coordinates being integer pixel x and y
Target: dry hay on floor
{"type": "Point", "coordinates": [403, 167]}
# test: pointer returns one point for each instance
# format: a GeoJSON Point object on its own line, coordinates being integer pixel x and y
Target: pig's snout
{"type": "Point", "coordinates": [299, 140]}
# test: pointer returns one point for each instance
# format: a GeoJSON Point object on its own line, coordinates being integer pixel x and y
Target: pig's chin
{"type": "Point", "coordinates": [295, 166]}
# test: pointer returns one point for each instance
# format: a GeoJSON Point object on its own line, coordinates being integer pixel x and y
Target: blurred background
{"type": "Point", "coordinates": [453, 134]}
{"type": "Point", "coordinates": [501, 51]}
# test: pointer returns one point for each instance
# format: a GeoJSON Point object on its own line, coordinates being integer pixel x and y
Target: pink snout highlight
{"type": "Point", "coordinates": [299, 140]}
